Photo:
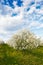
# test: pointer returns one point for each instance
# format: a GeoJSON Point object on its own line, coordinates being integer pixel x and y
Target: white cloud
{"type": "Point", "coordinates": [9, 22]}
{"type": "Point", "coordinates": [23, 16]}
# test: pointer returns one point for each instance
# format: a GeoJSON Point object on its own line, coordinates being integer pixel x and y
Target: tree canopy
{"type": "Point", "coordinates": [24, 40]}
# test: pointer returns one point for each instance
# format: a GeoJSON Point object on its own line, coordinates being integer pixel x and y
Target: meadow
{"type": "Point", "coordinates": [11, 56]}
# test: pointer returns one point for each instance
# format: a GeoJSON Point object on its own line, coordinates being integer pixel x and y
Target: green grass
{"type": "Point", "coordinates": [10, 56]}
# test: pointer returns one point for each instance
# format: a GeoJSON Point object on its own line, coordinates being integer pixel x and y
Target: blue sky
{"type": "Point", "coordinates": [16, 15]}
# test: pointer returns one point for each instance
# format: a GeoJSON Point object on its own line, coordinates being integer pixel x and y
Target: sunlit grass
{"type": "Point", "coordinates": [10, 56]}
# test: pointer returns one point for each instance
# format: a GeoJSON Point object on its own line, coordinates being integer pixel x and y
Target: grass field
{"type": "Point", "coordinates": [10, 56]}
